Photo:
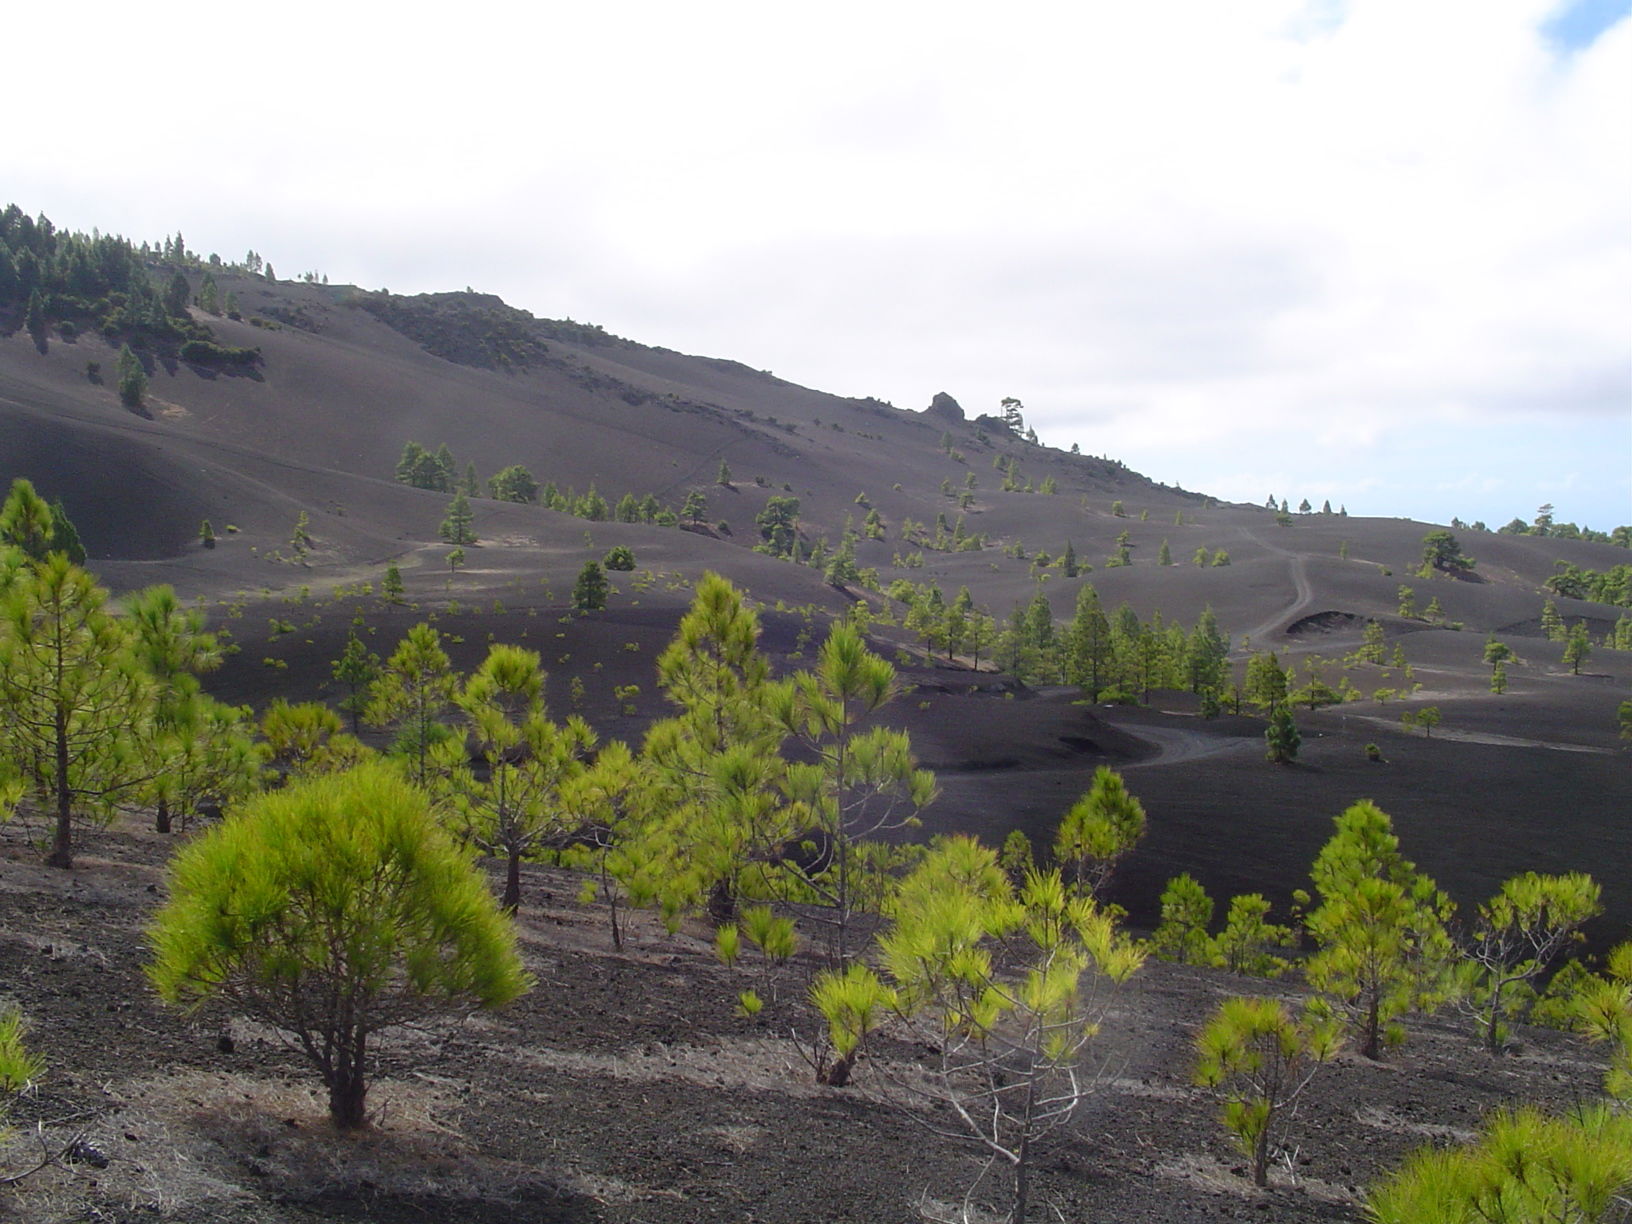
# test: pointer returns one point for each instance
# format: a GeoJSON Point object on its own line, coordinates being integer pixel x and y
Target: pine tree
{"type": "Point", "coordinates": [842, 570]}
{"type": "Point", "coordinates": [411, 694]}
{"type": "Point", "coordinates": [1517, 936]}
{"type": "Point", "coordinates": [1088, 645]}
{"type": "Point", "coordinates": [1186, 913]}
{"type": "Point", "coordinates": [513, 484]}
{"type": "Point", "coordinates": [357, 668]}
{"type": "Point", "coordinates": [723, 476]}
{"type": "Point", "coordinates": [716, 810]}
{"type": "Point", "coordinates": [854, 785]}
{"type": "Point", "coordinates": [1259, 1061]}
{"type": "Point", "coordinates": [1207, 655]}
{"type": "Point", "coordinates": [391, 585]}
{"type": "Point", "coordinates": [300, 540]}
{"type": "Point", "coordinates": [1524, 1165]}
{"type": "Point", "coordinates": [1005, 984]}
{"type": "Point", "coordinates": [74, 701]}
{"type": "Point", "coordinates": [1282, 738]}
{"type": "Point", "coordinates": [330, 910]}
{"type": "Point", "coordinates": [589, 592]}
{"type": "Point", "coordinates": [530, 762]}
{"type": "Point", "coordinates": [173, 647]}
{"type": "Point", "coordinates": [1552, 624]}
{"type": "Point", "coordinates": [1165, 556]}
{"type": "Point", "coordinates": [1577, 647]}
{"type": "Point", "coordinates": [1372, 649]}
{"type": "Point", "coordinates": [176, 296]}
{"type": "Point", "coordinates": [132, 378]}
{"type": "Point", "coordinates": [27, 522]}
{"type": "Point", "coordinates": [1265, 684]}
{"type": "Point", "coordinates": [1244, 944]}
{"type": "Point", "coordinates": [1379, 928]}
{"type": "Point", "coordinates": [445, 469]}
{"type": "Point", "coordinates": [34, 319]}
{"type": "Point", "coordinates": [591, 506]}
{"type": "Point", "coordinates": [1098, 831]}
{"type": "Point", "coordinates": [305, 739]}
{"type": "Point", "coordinates": [1040, 636]}
{"type": "Point", "coordinates": [458, 526]}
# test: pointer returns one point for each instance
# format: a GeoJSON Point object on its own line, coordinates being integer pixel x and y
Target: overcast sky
{"type": "Point", "coordinates": [1378, 251]}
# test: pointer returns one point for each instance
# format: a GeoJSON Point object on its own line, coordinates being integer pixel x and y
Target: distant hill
{"type": "Point", "coordinates": [266, 400]}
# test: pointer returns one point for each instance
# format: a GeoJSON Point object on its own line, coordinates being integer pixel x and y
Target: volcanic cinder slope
{"type": "Point", "coordinates": [1533, 778]}
{"type": "Point", "coordinates": [625, 1088]}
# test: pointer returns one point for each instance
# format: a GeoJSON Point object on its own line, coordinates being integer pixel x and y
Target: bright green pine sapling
{"type": "Point", "coordinates": [19, 1067]}
{"type": "Point", "coordinates": [774, 936]}
{"type": "Point", "coordinates": [1098, 831]}
{"type": "Point", "coordinates": [1187, 911]}
{"type": "Point", "coordinates": [411, 694]}
{"type": "Point", "coordinates": [852, 786]}
{"type": "Point", "coordinates": [1524, 1166]}
{"type": "Point", "coordinates": [1246, 943]}
{"type": "Point", "coordinates": [1383, 948]}
{"type": "Point", "coordinates": [1259, 1060]}
{"type": "Point", "coordinates": [332, 910]}
{"type": "Point", "coordinates": [1007, 985]}
{"type": "Point", "coordinates": [516, 804]}
{"type": "Point", "coordinates": [306, 738]}
{"type": "Point", "coordinates": [1603, 1009]}
{"type": "Point", "coordinates": [1517, 936]}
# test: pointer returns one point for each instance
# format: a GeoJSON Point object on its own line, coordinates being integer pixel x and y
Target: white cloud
{"type": "Point", "coordinates": [1179, 232]}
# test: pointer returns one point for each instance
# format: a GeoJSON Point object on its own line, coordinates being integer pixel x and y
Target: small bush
{"type": "Point", "coordinates": [218, 356]}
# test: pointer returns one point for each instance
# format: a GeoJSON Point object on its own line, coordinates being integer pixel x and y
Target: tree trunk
{"type": "Point", "coordinates": [1370, 1047]}
{"type": "Point", "coordinates": [722, 902]}
{"type": "Point", "coordinates": [161, 817]}
{"type": "Point", "coordinates": [347, 1088]}
{"type": "Point", "coordinates": [1493, 1024]}
{"type": "Point", "coordinates": [62, 842]}
{"type": "Point", "coordinates": [1260, 1159]}
{"type": "Point", "coordinates": [837, 1072]}
{"type": "Point", "coordinates": [512, 884]}
{"type": "Point", "coordinates": [1022, 1182]}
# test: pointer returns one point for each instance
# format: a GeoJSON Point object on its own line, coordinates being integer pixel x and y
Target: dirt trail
{"type": "Point", "coordinates": [1178, 744]}
{"type": "Point", "coordinates": [1300, 583]}
{"type": "Point", "coordinates": [1486, 737]}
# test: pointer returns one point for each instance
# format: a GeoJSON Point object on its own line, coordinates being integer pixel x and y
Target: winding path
{"type": "Point", "coordinates": [1299, 565]}
{"type": "Point", "coordinates": [1175, 745]}
{"type": "Point", "coordinates": [1487, 737]}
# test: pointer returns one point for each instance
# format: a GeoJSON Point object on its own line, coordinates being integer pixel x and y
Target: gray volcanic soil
{"type": "Point", "coordinates": [625, 1089]}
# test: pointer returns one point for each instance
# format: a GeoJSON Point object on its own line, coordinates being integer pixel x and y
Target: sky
{"type": "Point", "coordinates": [1377, 252]}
